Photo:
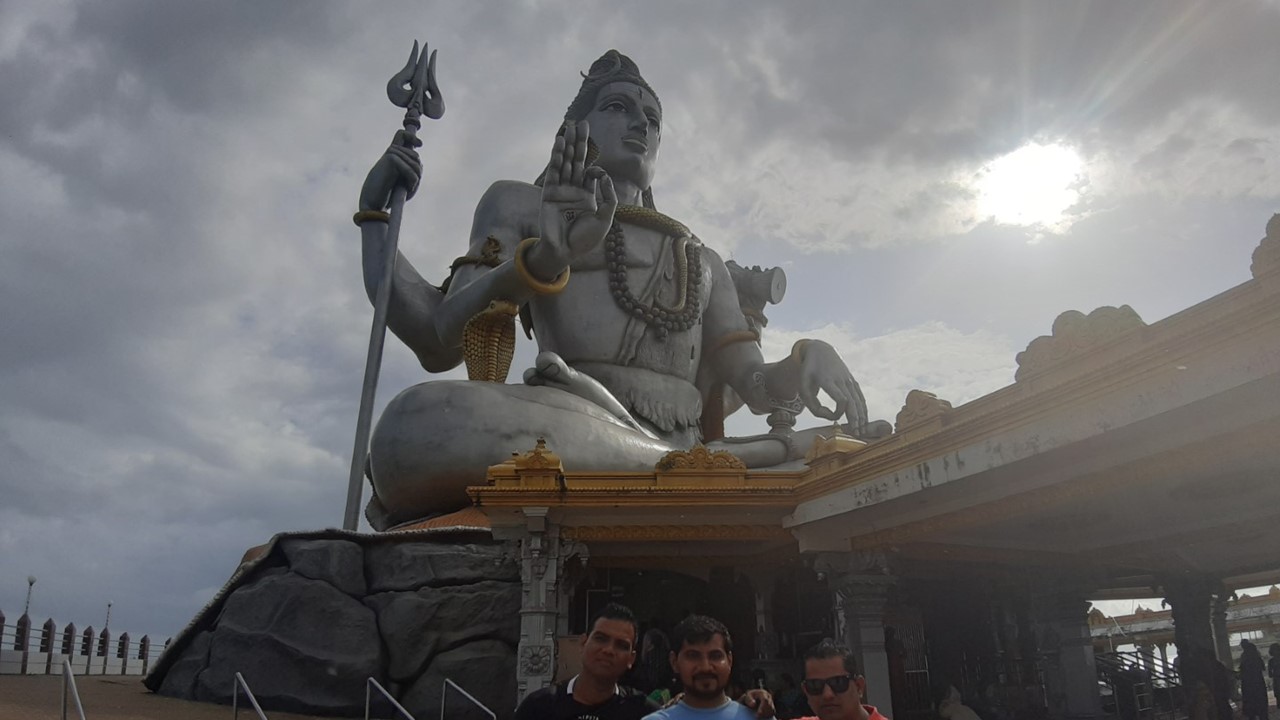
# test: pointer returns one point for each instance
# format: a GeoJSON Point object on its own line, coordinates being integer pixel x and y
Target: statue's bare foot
{"type": "Point", "coordinates": [550, 370]}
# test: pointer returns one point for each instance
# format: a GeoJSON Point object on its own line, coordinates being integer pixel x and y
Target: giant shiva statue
{"type": "Point", "coordinates": [636, 320]}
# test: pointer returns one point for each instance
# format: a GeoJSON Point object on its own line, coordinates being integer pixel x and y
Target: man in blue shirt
{"type": "Point", "coordinates": [702, 657]}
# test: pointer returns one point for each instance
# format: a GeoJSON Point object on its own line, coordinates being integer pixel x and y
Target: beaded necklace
{"type": "Point", "coordinates": [687, 310]}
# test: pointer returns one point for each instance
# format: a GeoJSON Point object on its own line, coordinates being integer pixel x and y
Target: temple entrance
{"type": "Point", "coordinates": [659, 598]}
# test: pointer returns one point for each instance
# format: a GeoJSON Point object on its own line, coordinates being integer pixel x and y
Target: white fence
{"type": "Point", "coordinates": [27, 649]}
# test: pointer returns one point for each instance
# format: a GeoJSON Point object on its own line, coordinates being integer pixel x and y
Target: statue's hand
{"type": "Point", "coordinates": [821, 369]}
{"type": "Point", "coordinates": [578, 203]}
{"type": "Point", "coordinates": [398, 166]}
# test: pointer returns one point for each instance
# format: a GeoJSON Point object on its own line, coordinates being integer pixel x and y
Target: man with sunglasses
{"type": "Point", "coordinates": [833, 685]}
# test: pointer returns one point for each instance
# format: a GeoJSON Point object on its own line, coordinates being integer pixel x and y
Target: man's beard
{"type": "Point", "coordinates": [693, 690]}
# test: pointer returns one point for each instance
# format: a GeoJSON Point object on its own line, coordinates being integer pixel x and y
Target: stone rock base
{"type": "Point", "coordinates": [313, 617]}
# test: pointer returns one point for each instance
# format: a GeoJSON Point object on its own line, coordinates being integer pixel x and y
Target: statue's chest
{"type": "Point", "coordinates": [643, 249]}
{"type": "Point", "coordinates": [643, 300]}
{"type": "Point", "coordinates": [652, 276]}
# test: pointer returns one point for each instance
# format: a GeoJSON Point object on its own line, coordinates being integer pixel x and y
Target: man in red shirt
{"type": "Point", "coordinates": [833, 685]}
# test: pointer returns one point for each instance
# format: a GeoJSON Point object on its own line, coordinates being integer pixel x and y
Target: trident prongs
{"type": "Point", "coordinates": [414, 87]}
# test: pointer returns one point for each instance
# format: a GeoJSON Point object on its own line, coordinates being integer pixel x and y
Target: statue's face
{"type": "Point", "coordinates": [626, 124]}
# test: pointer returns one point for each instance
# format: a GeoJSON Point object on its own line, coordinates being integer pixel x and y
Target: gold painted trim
{"type": "Point", "coordinates": [771, 557]}
{"type": "Point", "coordinates": [699, 458]}
{"type": "Point", "coordinates": [666, 533]}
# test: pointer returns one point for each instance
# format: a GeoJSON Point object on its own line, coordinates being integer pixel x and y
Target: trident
{"type": "Point", "coordinates": [413, 88]}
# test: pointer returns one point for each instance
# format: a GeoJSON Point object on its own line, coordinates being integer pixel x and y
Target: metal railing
{"type": "Point", "coordinates": [368, 697]}
{"type": "Point", "coordinates": [235, 698]}
{"type": "Point", "coordinates": [444, 695]}
{"type": "Point", "coordinates": [1149, 689]}
{"type": "Point", "coordinates": [69, 682]}
{"type": "Point", "coordinates": [1161, 671]}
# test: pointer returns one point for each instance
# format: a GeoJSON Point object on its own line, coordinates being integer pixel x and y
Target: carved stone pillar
{"type": "Point", "coordinates": [543, 555]}
{"type": "Point", "coordinates": [1190, 599]}
{"type": "Point", "coordinates": [763, 580]}
{"type": "Point", "coordinates": [1076, 683]}
{"type": "Point", "coordinates": [860, 583]}
{"type": "Point", "coordinates": [860, 602]}
{"type": "Point", "coordinates": [1218, 621]}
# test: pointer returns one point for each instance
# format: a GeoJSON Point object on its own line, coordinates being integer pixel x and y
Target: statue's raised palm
{"type": "Point", "coordinates": [578, 203]}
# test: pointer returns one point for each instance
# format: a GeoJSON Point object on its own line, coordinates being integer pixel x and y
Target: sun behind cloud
{"type": "Point", "coordinates": [1033, 186]}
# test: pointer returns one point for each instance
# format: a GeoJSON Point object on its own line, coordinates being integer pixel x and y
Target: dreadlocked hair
{"type": "Point", "coordinates": [612, 67]}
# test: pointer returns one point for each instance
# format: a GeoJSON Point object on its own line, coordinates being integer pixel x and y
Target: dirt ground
{"type": "Point", "coordinates": [39, 697]}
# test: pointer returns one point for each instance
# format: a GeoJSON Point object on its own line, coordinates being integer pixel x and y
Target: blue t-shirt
{"type": "Point", "coordinates": [680, 711]}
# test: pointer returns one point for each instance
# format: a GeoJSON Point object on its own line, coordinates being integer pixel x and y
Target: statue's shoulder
{"type": "Point", "coordinates": [712, 258]}
{"type": "Point", "coordinates": [512, 192]}
{"type": "Point", "coordinates": [509, 201]}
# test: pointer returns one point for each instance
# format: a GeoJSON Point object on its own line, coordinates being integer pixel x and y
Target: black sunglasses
{"type": "Point", "coordinates": [838, 684]}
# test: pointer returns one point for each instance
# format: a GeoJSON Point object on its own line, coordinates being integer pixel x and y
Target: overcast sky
{"type": "Point", "coordinates": [184, 327]}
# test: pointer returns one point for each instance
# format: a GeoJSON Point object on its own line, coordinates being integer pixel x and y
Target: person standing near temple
{"type": "Point", "coordinates": [1253, 686]}
{"type": "Point", "coordinates": [702, 658]}
{"type": "Point", "coordinates": [653, 676]}
{"type": "Point", "coordinates": [834, 685]}
{"type": "Point", "coordinates": [1273, 669]}
{"type": "Point", "coordinates": [608, 652]}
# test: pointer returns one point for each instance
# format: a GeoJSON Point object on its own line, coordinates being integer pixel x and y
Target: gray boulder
{"type": "Point", "coordinates": [409, 566]}
{"type": "Point", "coordinates": [337, 562]}
{"type": "Point", "coordinates": [180, 681]}
{"type": "Point", "coordinates": [299, 643]}
{"type": "Point", "coordinates": [486, 669]}
{"type": "Point", "coordinates": [314, 615]}
{"type": "Point", "coordinates": [418, 625]}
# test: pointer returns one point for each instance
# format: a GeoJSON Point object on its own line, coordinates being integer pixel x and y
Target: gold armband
{"type": "Point", "coordinates": [380, 215]}
{"type": "Point", "coordinates": [536, 285]}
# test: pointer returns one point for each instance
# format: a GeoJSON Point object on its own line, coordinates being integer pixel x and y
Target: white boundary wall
{"type": "Point", "coordinates": [91, 652]}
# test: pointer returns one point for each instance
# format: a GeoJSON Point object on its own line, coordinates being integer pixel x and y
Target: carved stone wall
{"type": "Point", "coordinates": [1266, 258]}
{"type": "Point", "coordinates": [313, 618]}
{"type": "Point", "coordinates": [1075, 333]}
{"type": "Point", "coordinates": [919, 407]}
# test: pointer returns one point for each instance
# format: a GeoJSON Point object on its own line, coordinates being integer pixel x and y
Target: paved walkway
{"type": "Point", "coordinates": [39, 697]}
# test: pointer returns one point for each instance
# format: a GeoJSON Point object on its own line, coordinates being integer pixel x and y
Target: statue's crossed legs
{"type": "Point", "coordinates": [436, 438]}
